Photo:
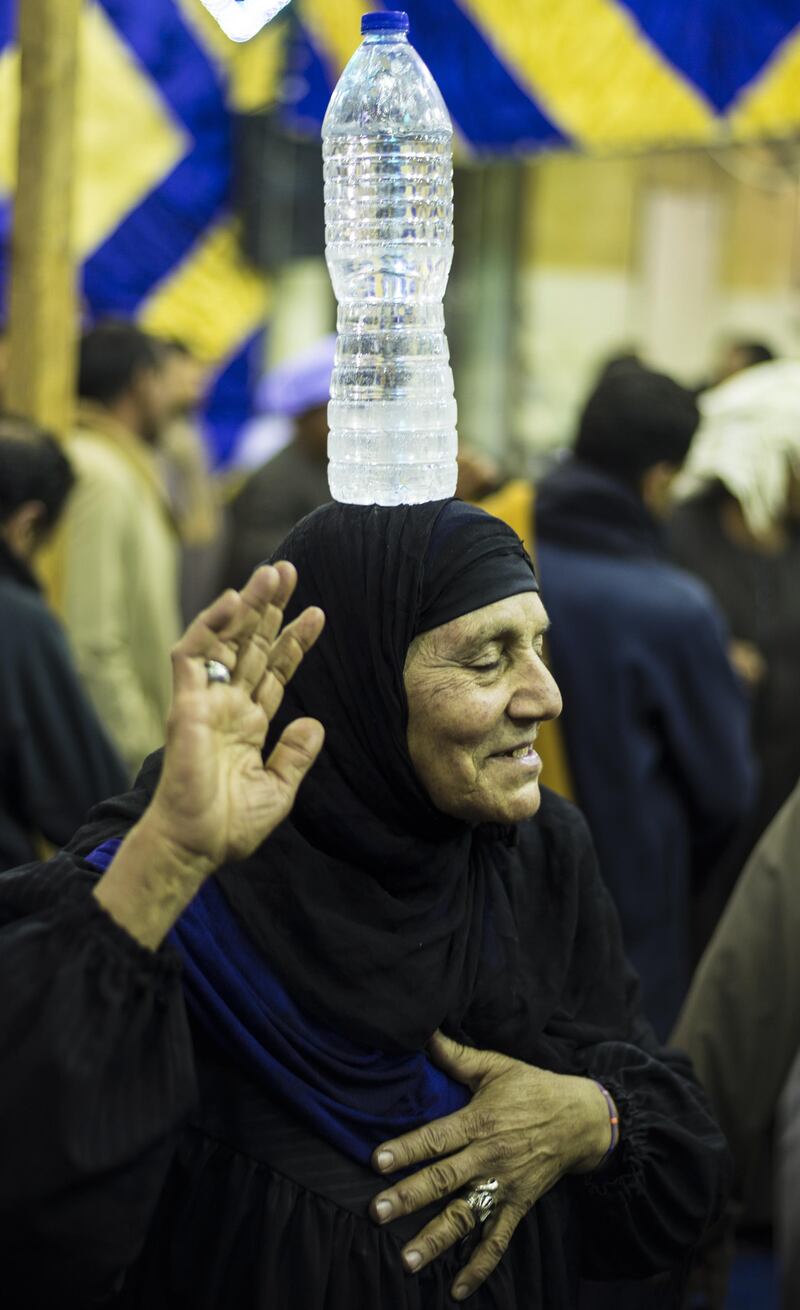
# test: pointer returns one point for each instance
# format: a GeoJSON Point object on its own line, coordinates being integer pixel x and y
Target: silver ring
{"type": "Point", "coordinates": [217, 672]}
{"type": "Point", "coordinates": [482, 1199]}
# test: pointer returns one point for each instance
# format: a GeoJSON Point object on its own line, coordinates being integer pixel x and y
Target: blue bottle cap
{"type": "Point", "coordinates": [387, 20]}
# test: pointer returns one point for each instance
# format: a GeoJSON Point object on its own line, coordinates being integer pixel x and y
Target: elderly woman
{"type": "Point", "coordinates": [369, 1045]}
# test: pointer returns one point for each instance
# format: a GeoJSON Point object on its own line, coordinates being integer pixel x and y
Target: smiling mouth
{"type": "Point", "coordinates": [525, 752]}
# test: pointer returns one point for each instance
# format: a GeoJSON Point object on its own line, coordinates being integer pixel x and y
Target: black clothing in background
{"type": "Point", "coordinates": [56, 761]}
{"type": "Point", "coordinates": [760, 596]}
{"type": "Point", "coordinates": [131, 1142]}
{"type": "Point", "coordinates": [655, 722]}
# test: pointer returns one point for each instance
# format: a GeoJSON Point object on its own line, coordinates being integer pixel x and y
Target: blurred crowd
{"type": "Point", "coordinates": [667, 540]}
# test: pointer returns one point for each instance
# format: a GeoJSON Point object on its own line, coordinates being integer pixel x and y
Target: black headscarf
{"type": "Point", "coordinates": [382, 915]}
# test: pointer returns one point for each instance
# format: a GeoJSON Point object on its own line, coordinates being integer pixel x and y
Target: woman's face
{"type": "Point", "coordinates": [477, 691]}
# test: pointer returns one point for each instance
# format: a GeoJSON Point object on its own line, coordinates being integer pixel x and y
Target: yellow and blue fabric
{"type": "Point", "coordinates": [154, 229]}
{"type": "Point", "coordinates": [599, 75]}
{"type": "Point", "coordinates": [160, 83]}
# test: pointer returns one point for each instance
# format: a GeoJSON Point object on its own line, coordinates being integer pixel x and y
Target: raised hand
{"type": "Point", "coordinates": [216, 796]}
{"type": "Point", "coordinates": [217, 799]}
{"type": "Point", "coordinates": [524, 1127]}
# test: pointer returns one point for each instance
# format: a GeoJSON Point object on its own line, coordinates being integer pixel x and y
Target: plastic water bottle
{"type": "Point", "coordinates": [387, 149]}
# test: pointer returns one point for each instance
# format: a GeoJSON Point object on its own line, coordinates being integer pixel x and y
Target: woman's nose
{"type": "Point", "coordinates": [537, 695]}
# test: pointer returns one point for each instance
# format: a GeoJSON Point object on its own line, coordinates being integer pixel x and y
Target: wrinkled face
{"type": "Point", "coordinates": [477, 690]}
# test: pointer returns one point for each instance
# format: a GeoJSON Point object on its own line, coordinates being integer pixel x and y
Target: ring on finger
{"type": "Point", "coordinates": [217, 672]}
{"type": "Point", "coordinates": [482, 1199]}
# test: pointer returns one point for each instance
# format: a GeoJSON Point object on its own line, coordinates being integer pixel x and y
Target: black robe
{"type": "Point", "coordinates": [139, 1167]}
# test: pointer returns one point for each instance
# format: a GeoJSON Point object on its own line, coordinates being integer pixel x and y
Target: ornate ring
{"type": "Point", "coordinates": [217, 672]}
{"type": "Point", "coordinates": [482, 1199]}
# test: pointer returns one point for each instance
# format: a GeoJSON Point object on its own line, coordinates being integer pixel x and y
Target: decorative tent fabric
{"type": "Point", "coordinates": [160, 84]}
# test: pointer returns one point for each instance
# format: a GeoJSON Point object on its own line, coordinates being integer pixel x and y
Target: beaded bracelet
{"type": "Point", "coordinates": [613, 1118]}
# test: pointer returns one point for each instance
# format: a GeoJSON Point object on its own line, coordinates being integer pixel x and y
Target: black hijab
{"type": "Point", "coordinates": [382, 916]}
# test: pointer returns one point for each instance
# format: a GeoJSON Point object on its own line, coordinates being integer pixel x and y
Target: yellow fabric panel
{"type": "Point", "coordinates": [252, 69]}
{"type": "Point", "coordinates": [593, 71]}
{"type": "Point", "coordinates": [771, 104]}
{"type": "Point", "coordinates": [212, 301]}
{"type": "Point", "coordinates": [336, 26]}
{"type": "Point", "coordinates": [514, 503]}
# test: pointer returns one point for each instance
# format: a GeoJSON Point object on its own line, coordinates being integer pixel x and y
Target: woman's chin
{"type": "Point", "coordinates": [515, 807]}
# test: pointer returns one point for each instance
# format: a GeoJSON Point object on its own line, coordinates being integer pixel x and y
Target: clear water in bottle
{"type": "Point", "coordinates": [387, 149]}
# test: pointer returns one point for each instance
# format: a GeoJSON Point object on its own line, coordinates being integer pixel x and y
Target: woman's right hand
{"type": "Point", "coordinates": [217, 799]}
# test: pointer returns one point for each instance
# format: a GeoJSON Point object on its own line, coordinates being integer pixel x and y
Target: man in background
{"type": "Point", "coordinates": [655, 721]}
{"type": "Point", "coordinates": [735, 354]}
{"type": "Point", "coordinates": [192, 490]}
{"type": "Point", "coordinates": [55, 759]}
{"type": "Point", "coordinates": [120, 544]}
{"type": "Point", "coordinates": [740, 353]}
{"type": "Point", "coordinates": [295, 480]}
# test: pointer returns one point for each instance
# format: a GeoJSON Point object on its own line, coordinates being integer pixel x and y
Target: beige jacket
{"type": "Point", "coordinates": [119, 584]}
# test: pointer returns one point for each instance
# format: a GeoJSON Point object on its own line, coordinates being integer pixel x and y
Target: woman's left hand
{"type": "Point", "coordinates": [524, 1127]}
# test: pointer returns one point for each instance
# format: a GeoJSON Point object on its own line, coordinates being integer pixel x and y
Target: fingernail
{"type": "Point", "coordinates": [460, 1292]}
{"type": "Point", "coordinates": [413, 1259]}
{"type": "Point", "coordinates": [385, 1159]}
{"type": "Point", "coordinates": [383, 1209]}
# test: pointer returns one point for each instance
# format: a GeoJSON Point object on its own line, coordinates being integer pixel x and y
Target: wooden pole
{"type": "Point", "coordinates": [43, 300]}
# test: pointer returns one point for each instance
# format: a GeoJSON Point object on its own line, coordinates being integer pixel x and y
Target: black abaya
{"type": "Point", "coordinates": [143, 1167]}
{"type": "Point", "coordinates": [142, 1170]}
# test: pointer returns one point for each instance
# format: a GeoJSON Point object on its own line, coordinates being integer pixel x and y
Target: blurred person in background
{"type": "Point", "coordinates": [741, 1027]}
{"type": "Point", "coordinates": [734, 355]}
{"type": "Point", "coordinates": [479, 475]}
{"type": "Point", "coordinates": [120, 546]}
{"type": "Point", "coordinates": [655, 719]}
{"type": "Point", "coordinates": [622, 361]}
{"type": "Point", "coordinates": [741, 353]}
{"type": "Point", "coordinates": [787, 1204]}
{"type": "Point", "coordinates": [55, 759]}
{"type": "Point", "coordinates": [191, 488]}
{"type": "Point", "coordinates": [738, 529]}
{"type": "Point", "coordinates": [295, 480]}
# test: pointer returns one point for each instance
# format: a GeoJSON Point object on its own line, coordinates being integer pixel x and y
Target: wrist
{"type": "Point", "coordinates": [600, 1126]}
{"type": "Point", "coordinates": [194, 862]}
{"type": "Point", "coordinates": [150, 882]}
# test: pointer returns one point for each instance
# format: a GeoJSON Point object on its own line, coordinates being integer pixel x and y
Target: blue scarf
{"type": "Point", "coordinates": [354, 1096]}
